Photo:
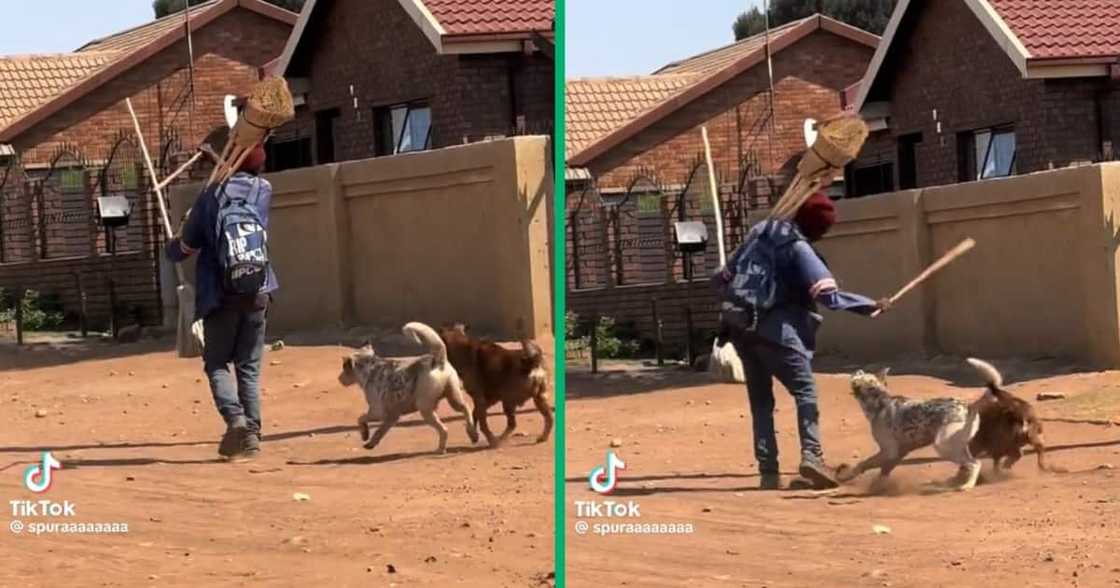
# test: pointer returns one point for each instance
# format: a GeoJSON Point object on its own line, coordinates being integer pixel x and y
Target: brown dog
{"type": "Point", "coordinates": [492, 374]}
{"type": "Point", "coordinates": [1006, 425]}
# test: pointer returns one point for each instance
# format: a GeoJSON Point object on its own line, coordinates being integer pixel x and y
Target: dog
{"type": "Point", "coordinates": [1006, 425]}
{"type": "Point", "coordinates": [901, 425]}
{"type": "Point", "coordinates": [394, 388]}
{"type": "Point", "coordinates": [494, 374]}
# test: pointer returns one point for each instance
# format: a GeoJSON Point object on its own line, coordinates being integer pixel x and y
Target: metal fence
{"type": "Point", "coordinates": [50, 237]}
{"type": "Point", "coordinates": [625, 236]}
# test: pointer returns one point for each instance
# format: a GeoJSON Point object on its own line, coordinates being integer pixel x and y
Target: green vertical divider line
{"type": "Point", "coordinates": [559, 282]}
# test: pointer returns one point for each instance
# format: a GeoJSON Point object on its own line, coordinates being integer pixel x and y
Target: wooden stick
{"type": "Point", "coordinates": [220, 165]}
{"type": "Point", "coordinates": [178, 172]}
{"type": "Point", "coordinates": [961, 248]}
{"type": "Point", "coordinates": [236, 164]}
{"type": "Point", "coordinates": [151, 169]}
{"type": "Point", "coordinates": [715, 195]}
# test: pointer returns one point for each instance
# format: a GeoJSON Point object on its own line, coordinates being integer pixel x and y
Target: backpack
{"type": "Point", "coordinates": [242, 242]}
{"type": "Point", "coordinates": [749, 286]}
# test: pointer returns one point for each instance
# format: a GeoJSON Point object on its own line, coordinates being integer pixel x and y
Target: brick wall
{"type": "Point", "coordinates": [945, 60]}
{"type": "Point", "coordinates": [375, 48]}
{"type": "Point", "coordinates": [228, 53]}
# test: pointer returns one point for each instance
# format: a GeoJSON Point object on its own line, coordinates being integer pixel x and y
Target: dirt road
{"type": "Point", "coordinates": [137, 438]}
{"type": "Point", "coordinates": [686, 444]}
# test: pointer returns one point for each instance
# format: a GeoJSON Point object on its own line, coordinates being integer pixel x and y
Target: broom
{"type": "Point", "coordinates": [268, 106]}
{"type": "Point", "coordinates": [724, 364]}
{"type": "Point", "coordinates": [838, 142]}
{"type": "Point", "coordinates": [189, 337]}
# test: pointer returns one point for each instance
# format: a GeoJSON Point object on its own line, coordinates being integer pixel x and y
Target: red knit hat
{"type": "Point", "coordinates": [254, 163]}
{"type": "Point", "coordinates": [816, 216]}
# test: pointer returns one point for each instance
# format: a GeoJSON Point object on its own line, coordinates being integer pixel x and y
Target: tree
{"type": "Point", "coordinates": [749, 24]}
{"type": "Point", "coordinates": [163, 8]}
{"type": "Point", "coordinates": [869, 15]}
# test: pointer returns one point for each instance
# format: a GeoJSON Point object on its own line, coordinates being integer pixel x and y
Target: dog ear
{"type": "Point", "coordinates": [348, 364]}
{"type": "Point", "coordinates": [882, 374]}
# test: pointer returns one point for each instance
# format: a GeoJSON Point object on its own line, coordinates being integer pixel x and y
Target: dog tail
{"type": "Point", "coordinates": [992, 378]}
{"type": "Point", "coordinates": [532, 365]}
{"type": "Point", "coordinates": [531, 355]}
{"type": "Point", "coordinates": [426, 335]}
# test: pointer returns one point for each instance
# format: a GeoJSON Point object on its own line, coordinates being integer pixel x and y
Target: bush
{"type": "Point", "coordinates": [610, 345]}
{"type": "Point", "coordinates": [39, 313]}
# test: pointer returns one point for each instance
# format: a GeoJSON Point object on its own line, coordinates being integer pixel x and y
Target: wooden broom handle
{"type": "Point", "coordinates": [151, 170]}
{"type": "Point", "coordinates": [961, 248]}
{"type": "Point", "coordinates": [155, 183]}
{"type": "Point", "coordinates": [714, 190]}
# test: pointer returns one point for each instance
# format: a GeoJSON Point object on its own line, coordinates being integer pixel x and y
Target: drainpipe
{"type": "Point", "coordinates": [1105, 116]}
{"type": "Point", "coordinates": [513, 105]}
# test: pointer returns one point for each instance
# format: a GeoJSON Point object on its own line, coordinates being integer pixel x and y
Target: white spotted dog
{"type": "Point", "coordinates": [901, 425]}
{"type": "Point", "coordinates": [396, 387]}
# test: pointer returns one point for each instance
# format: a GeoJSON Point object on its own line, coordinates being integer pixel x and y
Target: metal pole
{"type": "Point", "coordinates": [595, 345]}
{"type": "Point", "coordinates": [689, 352]}
{"type": "Point", "coordinates": [20, 294]}
{"type": "Point", "coordinates": [111, 242]}
{"type": "Point", "coordinates": [83, 308]}
{"type": "Point", "coordinates": [659, 342]}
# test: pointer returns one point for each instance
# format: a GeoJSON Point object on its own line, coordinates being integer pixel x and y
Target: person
{"type": "Point", "coordinates": [782, 343]}
{"type": "Point", "coordinates": [233, 324]}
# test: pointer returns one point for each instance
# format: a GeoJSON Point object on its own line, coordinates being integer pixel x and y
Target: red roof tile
{"type": "Point", "coordinates": [489, 17]}
{"type": "Point", "coordinates": [1070, 29]}
{"type": "Point", "coordinates": [716, 59]}
{"type": "Point", "coordinates": [28, 81]}
{"type": "Point", "coordinates": [597, 106]}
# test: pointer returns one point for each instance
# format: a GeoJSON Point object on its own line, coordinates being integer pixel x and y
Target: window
{"type": "Point", "coordinates": [324, 135]}
{"type": "Point", "coordinates": [288, 154]}
{"type": "Point", "coordinates": [986, 153]}
{"type": "Point", "coordinates": [908, 161]}
{"type": "Point", "coordinates": [71, 179]}
{"type": "Point", "coordinates": [649, 203]}
{"type": "Point", "coordinates": [402, 128]}
{"type": "Point", "coordinates": [871, 179]}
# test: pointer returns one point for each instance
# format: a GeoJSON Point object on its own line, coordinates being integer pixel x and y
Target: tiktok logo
{"type": "Point", "coordinates": [38, 478]}
{"type": "Point", "coordinates": [604, 478]}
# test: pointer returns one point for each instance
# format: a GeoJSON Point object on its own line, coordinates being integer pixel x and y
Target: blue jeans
{"type": "Point", "coordinates": [763, 361]}
{"type": "Point", "coordinates": [235, 335]}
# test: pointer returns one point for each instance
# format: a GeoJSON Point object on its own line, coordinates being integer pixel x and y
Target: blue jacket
{"type": "Point", "coordinates": [200, 236]}
{"type": "Point", "coordinates": [804, 282]}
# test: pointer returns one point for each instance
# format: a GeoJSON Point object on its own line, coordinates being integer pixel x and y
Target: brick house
{"type": "Point", "coordinates": [962, 90]}
{"type": "Point", "coordinates": [67, 139]}
{"type": "Point", "coordinates": [635, 163]}
{"type": "Point", "coordinates": [377, 77]}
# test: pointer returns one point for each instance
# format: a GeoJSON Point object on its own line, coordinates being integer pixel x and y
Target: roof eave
{"type": "Point", "coordinates": [292, 44]}
{"type": "Point", "coordinates": [989, 18]}
{"type": "Point", "coordinates": [1041, 69]}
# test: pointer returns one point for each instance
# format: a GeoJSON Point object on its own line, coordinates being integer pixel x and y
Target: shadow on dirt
{"type": "Point", "coordinates": [617, 378]}
{"type": "Point", "coordinates": [331, 430]}
{"type": "Point", "coordinates": [389, 457]}
{"type": "Point", "coordinates": [66, 349]}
